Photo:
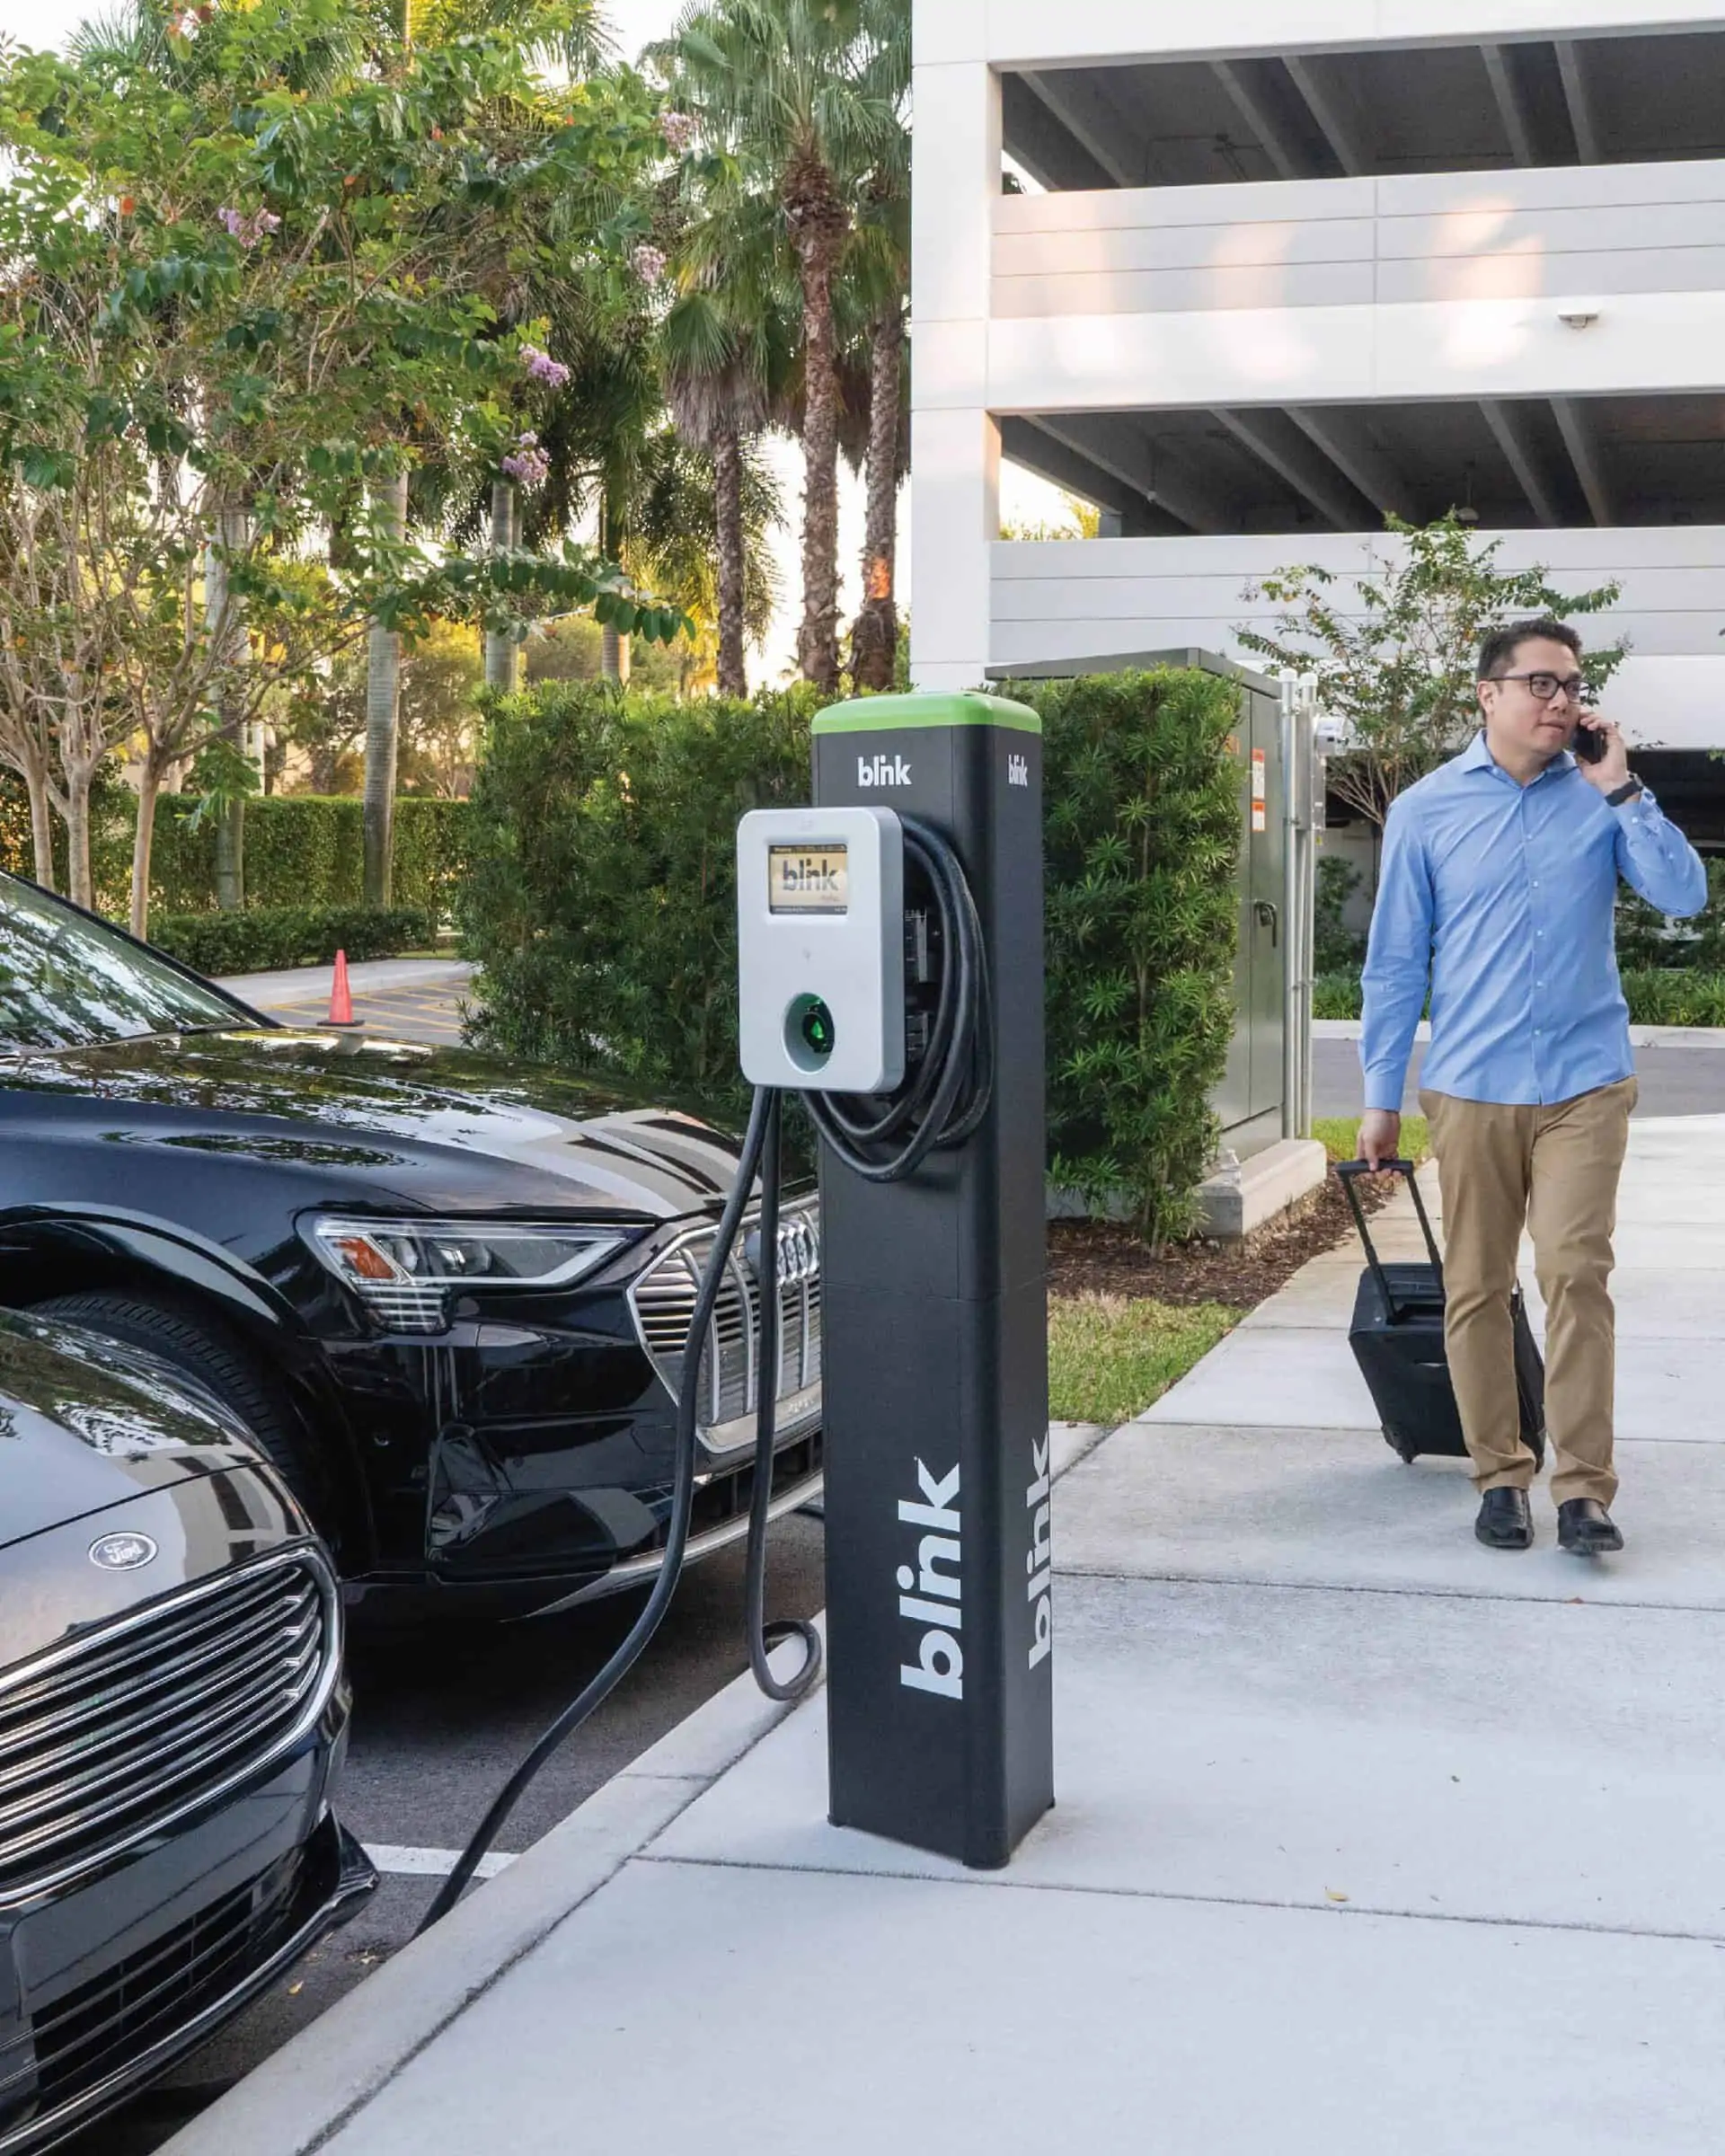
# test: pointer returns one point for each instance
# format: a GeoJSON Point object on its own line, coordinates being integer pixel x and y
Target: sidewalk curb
{"type": "Point", "coordinates": [303, 2095]}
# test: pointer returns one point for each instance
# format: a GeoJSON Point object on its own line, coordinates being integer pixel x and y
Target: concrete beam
{"type": "Point", "coordinates": [1084, 113]}
{"type": "Point", "coordinates": [1044, 145]}
{"type": "Point", "coordinates": [1126, 513]}
{"type": "Point", "coordinates": [1584, 455]}
{"type": "Point", "coordinates": [1116, 446]}
{"type": "Point", "coordinates": [1326, 103]}
{"type": "Point", "coordinates": [1578, 97]}
{"type": "Point", "coordinates": [1274, 439]}
{"type": "Point", "coordinates": [1272, 137]}
{"type": "Point", "coordinates": [1365, 468]}
{"type": "Point", "coordinates": [1511, 110]}
{"type": "Point", "coordinates": [1509, 430]}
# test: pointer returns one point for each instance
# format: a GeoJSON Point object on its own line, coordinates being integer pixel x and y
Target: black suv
{"type": "Point", "coordinates": [448, 1295]}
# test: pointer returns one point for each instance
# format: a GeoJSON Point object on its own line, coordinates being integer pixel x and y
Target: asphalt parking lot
{"type": "Point", "coordinates": [440, 1717]}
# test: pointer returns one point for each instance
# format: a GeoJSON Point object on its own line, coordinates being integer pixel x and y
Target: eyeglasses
{"type": "Point", "coordinates": [1544, 687]}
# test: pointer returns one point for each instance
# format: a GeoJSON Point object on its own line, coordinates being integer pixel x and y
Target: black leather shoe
{"type": "Point", "coordinates": [1505, 1521]}
{"type": "Point", "coordinates": [1586, 1527]}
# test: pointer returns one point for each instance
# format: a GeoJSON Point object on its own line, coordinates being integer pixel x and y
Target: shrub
{"type": "Point", "coordinates": [1647, 941]}
{"type": "Point", "coordinates": [1336, 995]}
{"type": "Point", "coordinates": [1337, 948]}
{"type": "Point", "coordinates": [305, 848]}
{"type": "Point", "coordinates": [268, 939]}
{"type": "Point", "coordinates": [600, 902]}
{"type": "Point", "coordinates": [1142, 818]}
{"type": "Point", "coordinates": [600, 899]}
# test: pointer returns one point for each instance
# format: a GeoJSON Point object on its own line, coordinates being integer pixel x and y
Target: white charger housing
{"type": "Point", "coordinates": [820, 948]}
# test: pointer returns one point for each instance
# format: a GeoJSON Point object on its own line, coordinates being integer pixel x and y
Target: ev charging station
{"type": "Point", "coordinates": [889, 943]}
{"type": "Point", "coordinates": [890, 952]}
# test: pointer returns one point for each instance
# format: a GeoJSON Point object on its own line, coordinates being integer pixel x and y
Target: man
{"type": "Point", "coordinates": [1497, 889]}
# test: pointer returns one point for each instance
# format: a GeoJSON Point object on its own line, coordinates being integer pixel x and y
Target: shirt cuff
{"type": "Point", "coordinates": [1383, 1094]}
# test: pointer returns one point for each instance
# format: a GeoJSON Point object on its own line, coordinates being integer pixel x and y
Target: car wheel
{"type": "Point", "coordinates": [205, 1350]}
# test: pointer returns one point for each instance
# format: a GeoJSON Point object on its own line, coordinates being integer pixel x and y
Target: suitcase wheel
{"type": "Point", "coordinates": [1404, 1452]}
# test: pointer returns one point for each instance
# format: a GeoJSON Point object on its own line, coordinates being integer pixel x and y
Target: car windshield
{"type": "Point", "coordinates": [68, 982]}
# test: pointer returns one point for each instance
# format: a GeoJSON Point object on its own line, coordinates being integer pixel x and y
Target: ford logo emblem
{"type": "Point", "coordinates": [122, 1552]}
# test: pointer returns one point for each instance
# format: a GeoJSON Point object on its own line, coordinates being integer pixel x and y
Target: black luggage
{"type": "Point", "coordinates": [1397, 1336]}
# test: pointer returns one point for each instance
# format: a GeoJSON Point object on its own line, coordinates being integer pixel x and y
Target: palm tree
{"type": "Point", "coordinates": [787, 96]}
{"type": "Point", "coordinates": [729, 351]}
{"type": "Point", "coordinates": [669, 547]}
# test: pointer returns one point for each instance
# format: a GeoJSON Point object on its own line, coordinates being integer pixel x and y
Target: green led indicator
{"type": "Point", "coordinates": [809, 1033]}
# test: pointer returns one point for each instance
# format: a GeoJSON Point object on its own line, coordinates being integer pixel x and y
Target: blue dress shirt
{"type": "Point", "coordinates": [1500, 898]}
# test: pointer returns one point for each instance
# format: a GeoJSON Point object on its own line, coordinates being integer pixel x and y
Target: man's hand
{"type": "Point", "coordinates": [1611, 770]}
{"type": "Point", "coordinates": [1380, 1136]}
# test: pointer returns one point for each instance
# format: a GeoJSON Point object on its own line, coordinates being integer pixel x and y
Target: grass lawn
{"type": "Point", "coordinates": [1110, 1357]}
{"type": "Point", "coordinates": [1341, 1137]}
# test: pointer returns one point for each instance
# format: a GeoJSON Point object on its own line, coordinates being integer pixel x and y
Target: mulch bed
{"type": "Point", "coordinates": [1098, 1257]}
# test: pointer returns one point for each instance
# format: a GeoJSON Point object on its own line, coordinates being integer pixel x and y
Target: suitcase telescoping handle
{"type": "Point", "coordinates": [1350, 1172]}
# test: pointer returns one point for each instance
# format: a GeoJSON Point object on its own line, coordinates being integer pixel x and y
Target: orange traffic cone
{"type": "Point", "coordinates": [340, 1001]}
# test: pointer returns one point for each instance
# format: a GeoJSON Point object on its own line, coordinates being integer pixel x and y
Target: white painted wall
{"type": "Point", "coordinates": [1550, 234]}
{"type": "Point", "coordinates": [1090, 598]}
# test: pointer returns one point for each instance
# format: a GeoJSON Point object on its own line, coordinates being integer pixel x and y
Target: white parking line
{"type": "Point", "coordinates": [431, 1863]}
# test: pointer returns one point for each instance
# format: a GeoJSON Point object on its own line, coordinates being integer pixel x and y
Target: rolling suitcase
{"type": "Point", "coordinates": [1397, 1336]}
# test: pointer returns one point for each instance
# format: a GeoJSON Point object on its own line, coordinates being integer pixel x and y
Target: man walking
{"type": "Point", "coordinates": [1497, 890]}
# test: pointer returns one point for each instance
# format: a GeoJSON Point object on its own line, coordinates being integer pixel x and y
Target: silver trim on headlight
{"type": "Point", "coordinates": [405, 1271]}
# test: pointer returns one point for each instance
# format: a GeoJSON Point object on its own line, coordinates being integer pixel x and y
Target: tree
{"type": "Point", "coordinates": [669, 547]}
{"type": "Point", "coordinates": [1392, 653]}
{"type": "Point", "coordinates": [729, 347]}
{"type": "Point", "coordinates": [789, 100]}
{"type": "Point", "coordinates": [218, 290]}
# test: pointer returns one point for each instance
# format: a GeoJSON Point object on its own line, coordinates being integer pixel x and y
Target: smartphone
{"type": "Point", "coordinates": [1588, 747]}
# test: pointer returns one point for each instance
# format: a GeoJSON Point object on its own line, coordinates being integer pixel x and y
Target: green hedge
{"type": "Point", "coordinates": [305, 848]}
{"type": "Point", "coordinates": [1143, 829]}
{"type": "Point", "coordinates": [268, 939]}
{"type": "Point", "coordinates": [301, 850]}
{"type": "Point", "coordinates": [600, 902]}
{"type": "Point", "coordinates": [1664, 996]}
{"type": "Point", "coordinates": [600, 899]}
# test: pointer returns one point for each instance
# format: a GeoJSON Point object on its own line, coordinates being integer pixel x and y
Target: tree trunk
{"type": "Point", "coordinates": [728, 500]}
{"type": "Point", "coordinates": [614, 655]}
{"type": "Point", "coordinates": [502, 649]}
{"type": "Point", "coordinates": [875, 641]}
{"type": "Point", "coordinates": [818, 639]}
{"type": "Point", "coordinates": [149, 785]}
{"type": "Point", "coordinates": [383, 720]}
{"type": "Point", "coordinates": [224, 618]}
{"type": "Point", "coordinates": [80, 889]}
{"type": "Point", "coordinates": [41, 826]}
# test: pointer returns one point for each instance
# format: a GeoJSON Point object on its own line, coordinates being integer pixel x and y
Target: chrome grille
{"type": "Point", "coordinates": [663, 1301]}
{"type": "Point", "coordinates": [107, 1741]}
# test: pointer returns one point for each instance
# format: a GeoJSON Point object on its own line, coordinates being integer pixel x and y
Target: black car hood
{"type": "Point", "coordinates": [85, 1423]}
{"type": "Point", "coordinates": [441, 1128]}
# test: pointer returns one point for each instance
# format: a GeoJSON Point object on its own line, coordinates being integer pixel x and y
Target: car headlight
{"type": "Point", "coordinates": [406, 1270]}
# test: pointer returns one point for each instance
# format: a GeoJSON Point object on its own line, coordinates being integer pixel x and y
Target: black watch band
{"type": "Point", "coordinates": [1628, 792]}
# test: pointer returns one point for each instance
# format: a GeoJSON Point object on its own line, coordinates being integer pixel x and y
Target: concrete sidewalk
{"type": "Point", "coordinates": [1369, 1840]}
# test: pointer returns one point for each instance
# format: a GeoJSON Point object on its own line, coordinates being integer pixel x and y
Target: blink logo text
{"type": "Point", "coordinates": [932, 1591]}
{"type": "Point", "coordinates": [883, 771]}
{"type": "Point", "coordinates": [1038, 1560]}
{"type": "Point", "coordinates": [1018, 770]}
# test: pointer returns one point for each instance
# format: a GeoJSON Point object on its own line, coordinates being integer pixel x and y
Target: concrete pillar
{"type": "Point", "coordinates": [955, 444]}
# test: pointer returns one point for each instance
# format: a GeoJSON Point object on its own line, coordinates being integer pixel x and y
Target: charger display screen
{"type": "Point", "coordinates": [808, 879]}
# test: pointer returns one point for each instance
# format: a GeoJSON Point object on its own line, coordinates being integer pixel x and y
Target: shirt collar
{"type": "Point", "coordinates": [1478, 757]}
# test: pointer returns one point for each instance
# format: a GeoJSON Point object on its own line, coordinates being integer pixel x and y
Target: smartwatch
{"type": "Point", "coordinates": [1631, 790]}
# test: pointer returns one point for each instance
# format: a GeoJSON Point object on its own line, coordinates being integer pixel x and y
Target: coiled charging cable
{"type": "Point", "coordinates": [942, 1107]}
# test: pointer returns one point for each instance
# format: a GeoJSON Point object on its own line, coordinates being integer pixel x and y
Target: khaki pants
{"type": "Point", "coordinates": [1555, 1170]}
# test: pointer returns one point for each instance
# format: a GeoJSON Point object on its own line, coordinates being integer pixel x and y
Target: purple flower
{"type": "Point", "coordinates": [678, 131]}
{"type": "Point", "coordinates": [649, 263]}
{"type": "Point", "coordinates": [527, 463]}
{"type": "Point", "coordinates": [249, 231]}
{"type": "Point", "coordinates": [542, 367]}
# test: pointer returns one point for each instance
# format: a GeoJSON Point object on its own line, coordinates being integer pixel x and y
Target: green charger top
{"type": "Point", "coordinates": [888, 714]}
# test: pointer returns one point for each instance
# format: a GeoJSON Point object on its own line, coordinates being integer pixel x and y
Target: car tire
{"type": "Point", "coordinates": [203, 1349]}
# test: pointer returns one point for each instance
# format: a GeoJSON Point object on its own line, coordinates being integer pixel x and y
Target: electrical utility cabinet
{"type": "Point", "coordinates": [1252, 1098]}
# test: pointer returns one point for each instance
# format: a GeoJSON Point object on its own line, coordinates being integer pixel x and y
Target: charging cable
{"type": "Point", "coordinates": [942, 1107]}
